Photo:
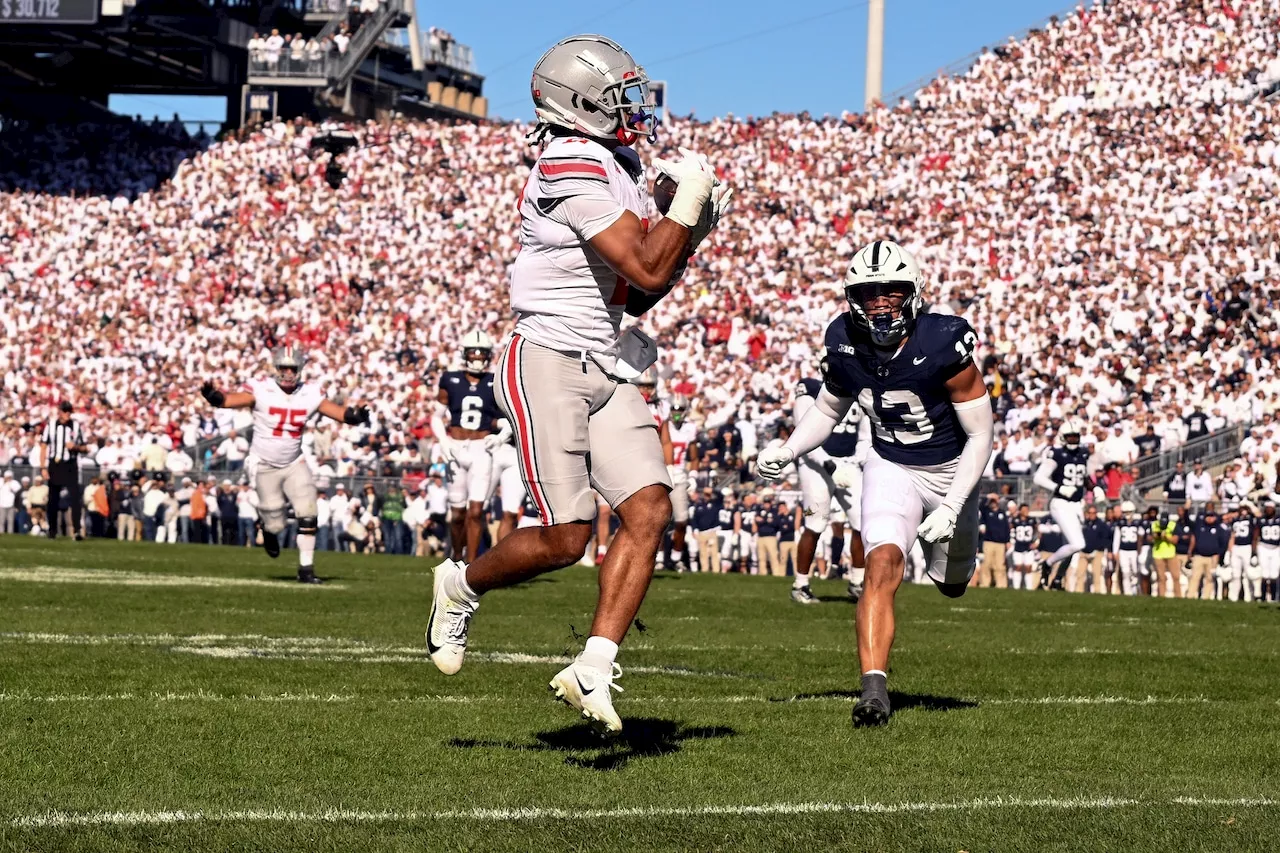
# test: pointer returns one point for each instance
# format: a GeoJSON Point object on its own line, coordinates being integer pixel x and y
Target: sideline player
{"type": "Point", "coordinates": [1268, 554]}
{"type": "Point", "coordinates": [1063, 472]}
{"type": "Point", "coordinates": [677, 435]}
{"type": "Point", "coordinates": [1026, 538]}
{"type": "Point", "coordinates": [586, 258]}
{"type": "Point", "coordinates": [914, 376]}
{"type": "Point", "coordinates": [1125, 544]}
{"type": "Point", "coordinates": [818, 469]}
{"type": "Point", "coordinates": [467, 441]}
{"type": "Point", "coordinates": [281, 407]}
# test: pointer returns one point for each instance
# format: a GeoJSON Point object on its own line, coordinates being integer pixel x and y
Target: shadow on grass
{"type": "Point", "coordinates": [898, 701]}
{"type": "Point", "coordinates": [294, 578]}
{"type": "Point", "coordinates": [641, 737]}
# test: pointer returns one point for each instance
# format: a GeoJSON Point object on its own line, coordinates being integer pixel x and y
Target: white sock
{"type": "Point", "coordinates": [600, 653]}
{"type": "Point", "coordinates": [306, 549]}
{"type": "Point", "coordinates": [456, 587]}
{"type": "Point", "coordinates": [800, 582]}
{"type": "Point", "coordinates": [1015, 580]}
{"type": "Point", "coordinates": [879, 672]}
{"type": "Point", "coordinates": [856, 575]}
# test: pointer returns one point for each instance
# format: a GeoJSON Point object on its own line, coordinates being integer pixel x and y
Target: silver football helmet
{"type": "Point", "coordinates": [589, 84]}
{"type": "Point", "coordinates": [884, 269]}
{"type": "Point", "coordinates": [288, 362]}
{"type": "Point", "coordinates": [679, 409]}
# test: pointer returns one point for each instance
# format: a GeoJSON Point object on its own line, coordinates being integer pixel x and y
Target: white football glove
{"type": "Point", "coordinates": [678, 474]}
{"type": "Point", "coordinates": [941, 524]}
{"type": "Point", "coordinates": [493, 442]}
{"type": "Point", "coordinates": [694, 179]}
{"type": "Point", "coordinates": [1067, 492]}
{"type": "Point", "coordinates": [772, 460]}
{"type": "Point", "coordinates": [844, 476]}
{"type": "Point", "coordinates": [1253, 561]}
{"type": "Point", "coordinates": [720, 203]}
{"type": "Point", "coordinates": [449, 449]}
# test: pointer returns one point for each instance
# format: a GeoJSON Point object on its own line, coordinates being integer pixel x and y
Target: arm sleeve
{"type": "Point", "coordinates": [976, 418]}
{"type": "Point", "coordinates": [819, 422]}
{"type": "Point", "coordinates": [1044, 475]}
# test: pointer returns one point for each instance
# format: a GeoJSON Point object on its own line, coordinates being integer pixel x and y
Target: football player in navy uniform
{"type": "Point", "coordinates": [469, 440]}
{"type": "Point", "coordinates": [914, 377]}
{"type": "Point", "coordinates": [1240, 555]}
{"type": "Point", "coordinates": [1268, 553]}
{"type": "Point", "coordinates": [837, 458]}
{"type": "Point", "coordinates": [1026, 537]}
{"type": "Point", "coordinates": [1126, 540]}
{"type": "Point", "coordinates": [1064, 473]}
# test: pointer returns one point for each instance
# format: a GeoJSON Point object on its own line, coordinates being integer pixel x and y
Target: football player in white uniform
{"type": "Point", "coordinates": [914, 376]}
{"type": "Point", "coordinates": [677, 435]}
{"type": "Point", "coordinates": [506, 476]}
{"type": "Point", "coordinates": [587, 258]}
{"type": "Point", "coordinates": [830, 477]}
{"type": "Point", "coordinates": [281, 407]}
{"type": "Point", "coordinates": [468, 441]}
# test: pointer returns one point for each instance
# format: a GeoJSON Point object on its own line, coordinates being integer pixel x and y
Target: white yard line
{"type": "Point", "coordinates": [63, 574]}
{"type": "Point", "coordinates": [539, 813]}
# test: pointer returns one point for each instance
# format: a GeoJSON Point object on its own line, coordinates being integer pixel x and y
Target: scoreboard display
{"type": "Point", "coordinates": [49, 12]}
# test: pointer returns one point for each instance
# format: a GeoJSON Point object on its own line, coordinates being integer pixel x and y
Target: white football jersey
{"type": "Point", "coordinates": [278, 420]}
{"type": "Point", "coordinates": [565, 295]}
{"type": "Point", "coordinates": [681, 437]}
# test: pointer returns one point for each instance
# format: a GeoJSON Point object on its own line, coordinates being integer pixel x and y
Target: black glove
{"type": "Point", "coordinates": [356, 415]}
{"type": "Point", "coordinates": [829, 466]}
{"type": "Point", "coordinates": [213, 395]}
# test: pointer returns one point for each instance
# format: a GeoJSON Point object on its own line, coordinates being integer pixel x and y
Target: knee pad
{"type": "Point", "coordinates": [308, 525]}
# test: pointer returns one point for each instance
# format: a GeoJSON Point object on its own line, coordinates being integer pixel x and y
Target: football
{"type": "Point", "coordinates": [664, 190]}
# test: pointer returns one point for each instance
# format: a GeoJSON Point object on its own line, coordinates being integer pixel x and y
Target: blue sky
{"type": "Point", "coordinates": [748, 57]}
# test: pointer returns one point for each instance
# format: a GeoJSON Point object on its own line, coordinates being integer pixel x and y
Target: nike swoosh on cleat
{"type": "Point", "coordinates": [432, 648]}
{"type": "Point", "coordinates": [919, 360]}
{"type": "Point", "coordinates": [582, 687]}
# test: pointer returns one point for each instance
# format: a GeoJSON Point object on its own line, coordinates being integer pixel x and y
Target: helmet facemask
{"type": "Point", "coordinates": [476, 359]}
{"type": "Point", "coordinates": [679, 410]}
{"type": "Point", "coordinates": [288, 367]}
{"type": "Point", "coordinates": [885, 310]}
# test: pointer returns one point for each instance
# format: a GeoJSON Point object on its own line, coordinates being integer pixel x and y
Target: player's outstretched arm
{"type": "Point", "coordinates": [972, 406]}
{"type": "Point", "coordinates": [351, 415]}
{"type": "Point", "coordinates": [815, 427]}
{"type": "Point", "coordinates": [219, 400]}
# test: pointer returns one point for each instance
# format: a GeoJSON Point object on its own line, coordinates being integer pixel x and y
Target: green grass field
{"type": "Point", "coordinates": [189, 698]}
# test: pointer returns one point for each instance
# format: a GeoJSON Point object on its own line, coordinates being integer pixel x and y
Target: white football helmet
{"type": "Point", "coordinates": [288, 362]}
{"type": "Point", "coordinates": [1070, 431]}
{"type": "Point", "coordinates": [884, 268]}
{"type": "Point", "coordinates": [477, 349]}
{"type": "Point", "coordinates": [1128, 508]}
{"type": "Point", "coordinates": [647, 382]}
{"type": "Point", "coordinates": [589, 84]}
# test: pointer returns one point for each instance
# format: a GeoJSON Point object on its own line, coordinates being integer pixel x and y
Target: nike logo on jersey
{"type": "Point", "coordinates": [919, 360]}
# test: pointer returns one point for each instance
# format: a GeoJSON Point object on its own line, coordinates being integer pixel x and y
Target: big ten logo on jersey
{"type": "Point", "coordinates": [290, 421]}
{"type": "Point", "coordinates": [898, 416]}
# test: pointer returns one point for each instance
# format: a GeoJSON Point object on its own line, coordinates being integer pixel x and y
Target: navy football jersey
{"type": "Point", "coordinates": [1242, 531]}
{"type": "Point", "coordinates": [726, 516]}
{"type": "Point", "coordinates": [843, 442]}
{"type": "Point", "coordinates": [471, 404]}
{"type": "Point", "coordinates": [1070, 468]}
{"type": "Point", "coordinates": [913, 422]}
{"type": "Point", "coordinates": [1131, 533]}
{"type": "Point", "coordinates": [1024, 533]}
{"type": "Point", "coordinates": [1051, 538]}
{"type": "Point", "coordinates": [1269, 530]}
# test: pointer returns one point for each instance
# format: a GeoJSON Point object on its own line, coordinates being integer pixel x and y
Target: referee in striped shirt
{"type": "Point", "coordinates": [61, 444]}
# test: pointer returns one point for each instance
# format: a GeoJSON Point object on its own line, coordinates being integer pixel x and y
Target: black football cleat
{"type": "Point", "coordinates": [872, 708]}
{"type": "Point", "coordinates": [271, 544]}
{"type": "Point", "coordinates": [308, 575]}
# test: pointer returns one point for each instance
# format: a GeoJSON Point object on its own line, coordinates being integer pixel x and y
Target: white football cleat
{"type": "Point", "coordinates": [587, 689]}
{"type": "Point", "coordinates": [447, 626]}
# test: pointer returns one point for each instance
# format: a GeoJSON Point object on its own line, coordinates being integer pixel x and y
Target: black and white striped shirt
{"type": "Point", "coordinates": [60, 438]}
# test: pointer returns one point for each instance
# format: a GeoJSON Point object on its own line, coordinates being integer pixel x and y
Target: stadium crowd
{"type": "Point", "coordinates": [1093, 197]}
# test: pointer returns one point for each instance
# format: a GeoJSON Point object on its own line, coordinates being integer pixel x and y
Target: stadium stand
{"type": "Point", "coordinates": [1092, 196]}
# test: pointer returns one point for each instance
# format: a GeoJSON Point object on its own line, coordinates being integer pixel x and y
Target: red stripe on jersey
{"type": "Point", "coordinates": [585, 167]}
